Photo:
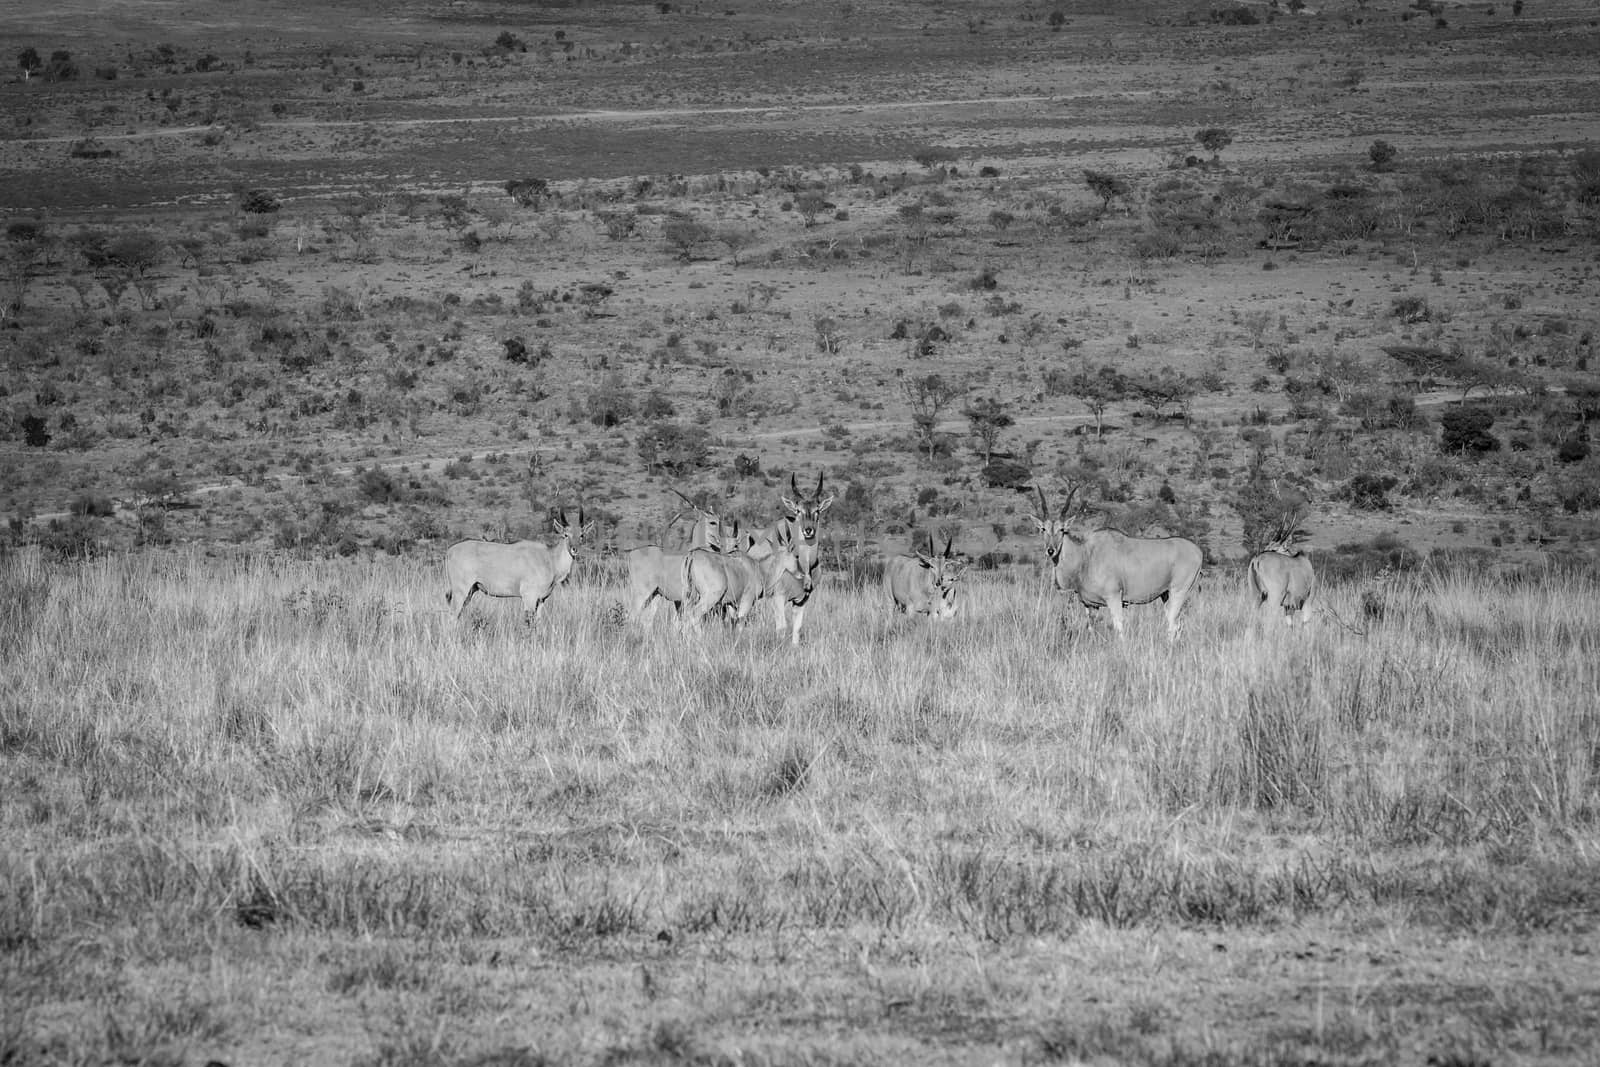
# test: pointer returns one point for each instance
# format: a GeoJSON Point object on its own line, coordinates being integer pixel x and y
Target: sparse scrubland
{"type": "Point", "coordinates": [292, 299]}
{"type": "Point", "coordinates": [286, 811]}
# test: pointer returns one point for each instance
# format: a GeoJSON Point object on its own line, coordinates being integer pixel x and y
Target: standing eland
{"type": "Point", "coordinates": [1109, 569]}
{"type": "Point", "coordinates": [1283, 580]}
{"type": "Point", "coordinates": [527, 569]}
{"type": "Point", "coordinates": [734, 581]}
{"type": "Point", "coordinates": [800, 526]}
{"type": "Point", "coordinates": [656, 572]}
{"type": "Point", "coordinates": [924, 584]}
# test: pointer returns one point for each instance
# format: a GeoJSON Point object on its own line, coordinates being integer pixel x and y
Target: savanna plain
{"type": "Point", "coordinates": [298, 294]}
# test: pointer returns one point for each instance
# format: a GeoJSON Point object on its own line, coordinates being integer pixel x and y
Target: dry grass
{"type": "Point", "coordinates": [239, 785]}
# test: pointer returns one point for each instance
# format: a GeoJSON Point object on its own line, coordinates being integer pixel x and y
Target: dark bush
{"type": "Point", "coordinates": [1368, 492]}
{"type": "Point", "coordinates": [34, 431]}
{"type": "Point", "coordinates": [1465, 430]}
{"type": "Point", "coordinates": [259, 202]}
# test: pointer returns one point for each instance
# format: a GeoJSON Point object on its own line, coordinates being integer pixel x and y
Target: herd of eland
{"type": "Point", "coordinates": [727, 573]}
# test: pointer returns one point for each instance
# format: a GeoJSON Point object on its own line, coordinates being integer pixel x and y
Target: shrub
{"type": "Point", "coordinates": [1368, 492]}
{"type": "Point", "coordinates": [1465, 430]}
{"type": "Point", "coordinates": [674, 448]}
{"type": "Point", "coordinates": [259, 202]}
{"type": "Point", "coordinates": [1573, 450]}
{"type": "Point", "coordinates": [34, 431]}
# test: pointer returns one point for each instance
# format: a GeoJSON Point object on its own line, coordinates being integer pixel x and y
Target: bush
{"type": "Point", "coordinates": [1573, 450]}
{"type": "Point", "coordinates": [259, 202]}
{"type": "Point", "coordinates": [1369, 492]}
{"type": "Point", "coordinates": [1465, 430]}
{"type": "Point", "coordinates": [674, 448]}
{"type": "Point", "coordinates": [34, 431]}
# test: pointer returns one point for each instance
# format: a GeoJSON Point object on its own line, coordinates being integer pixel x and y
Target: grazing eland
{"type": "Point", "coordinates": [734, 581]}
{"type": "Point", "coordinates": [800, 526]}
{"type": "Point", "coordinates": [527, 569]}
{"type": "Point", "coordinates": [1282, 579]}
{"type": "Point", "coordinates": [1109, 569]}
{"type": "Point", "coordinates": [656, 572]}
{"type": "Point", "coordinates": [923, 584]}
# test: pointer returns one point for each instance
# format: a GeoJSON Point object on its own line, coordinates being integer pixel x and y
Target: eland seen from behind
{"type": "Point", "coordinates": [1107, 568]}
{"type": "Point", "coordinates": [733, 582]}
{"type": "Point", "coordinates": [527, 569]}
{"type": "Point", "coordinates": [655, 572]}
{"type": "Point", "coordinates": [924, 584]}
{"type": "Point", "coordinates": [1283, 580]}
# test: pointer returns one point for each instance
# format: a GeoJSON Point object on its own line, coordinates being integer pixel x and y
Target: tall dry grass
{"type": "Point", "coordinates": [195, 746]}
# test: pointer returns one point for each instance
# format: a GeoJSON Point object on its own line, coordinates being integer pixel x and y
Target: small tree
{"type": "Point", "coordinates": [29, 63]}
{"type": "Point", "coordinates": [810, 204]}
{"type": "Point", "coordinates": [1214, 139]}
{"type": "Point", "coordinates": [934, 156]}
{"type": "Point", "coordinates": [1382, 154]}
{"type": "Point", "coordinates": [1165, 388]}
{"type": "Point", "coordinates": [929, 395]}
{"type": "Point", "coordinates": [1096, 389]}
{"type": "Point", "coordinates": [61, 67]}
{"type": "Point", "coordinates": [528, 192]}
{"type": "Point", "coordinates": [830, 335]}
{"type": "Point", "coordinates": [987, 417]}
{"type": "Point", "coordinates": [1107, 187]}
{"type": "Point", "coordinates": [610, 403]}
{"type": "Point", "coordinates": [735, 239]}
{"type": "Point", "coordinates": [26, 244]}
{"type": "Point", "coordinates": [683, 235]}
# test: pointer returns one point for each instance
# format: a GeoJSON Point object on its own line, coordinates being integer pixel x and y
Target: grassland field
{"type": "Point", "coordinates": [297, 294]}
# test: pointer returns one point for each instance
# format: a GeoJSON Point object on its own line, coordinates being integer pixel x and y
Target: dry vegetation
{"type": "Point", "coordinates": [283, 318]}
{"type": "Point", "coordinates": [258, 806]}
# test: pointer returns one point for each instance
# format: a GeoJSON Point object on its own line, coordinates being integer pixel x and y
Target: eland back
{"type": "Point", "coordinates": [1283, 580]}
{"type": "Point", "coordinates": [655, 572]}
{"type": "Point", "coordinates": [733, 582]}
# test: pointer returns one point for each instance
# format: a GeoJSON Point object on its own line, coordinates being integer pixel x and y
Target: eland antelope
{"type": "Point", "coordinates": [656, 572]}
{"type": "Point", "coordinates": [800, 526]}
{"type": "Point", "coordinates": [923, 584]}
{"type": "Point", "coordinates": [1109, 569]}
{"type": "Point", "coordinates": [734, 581]}
{"type": "Point", "coordinates": [527, 569]}
{"type": "Point", "coordinates": [1282, 579]}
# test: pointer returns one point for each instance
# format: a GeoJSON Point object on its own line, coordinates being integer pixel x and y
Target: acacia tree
{"type": "Point", "coordinates": [1214, 139]}
{"type": "Point", "coordinates": [26, 243]}
{"type": "Point", "coordinates": [1097, 389]}
{"type": "Point", "coordinates": [1107, 187]}
{"type": "Point", "coordinates": [29, 63]}
{"type": "Point", "coordinates": [987, 417]}
{"type": "Point", "coordinates": [1165, 388]}
{"type": "Point", "coordinates": [929, 394]}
